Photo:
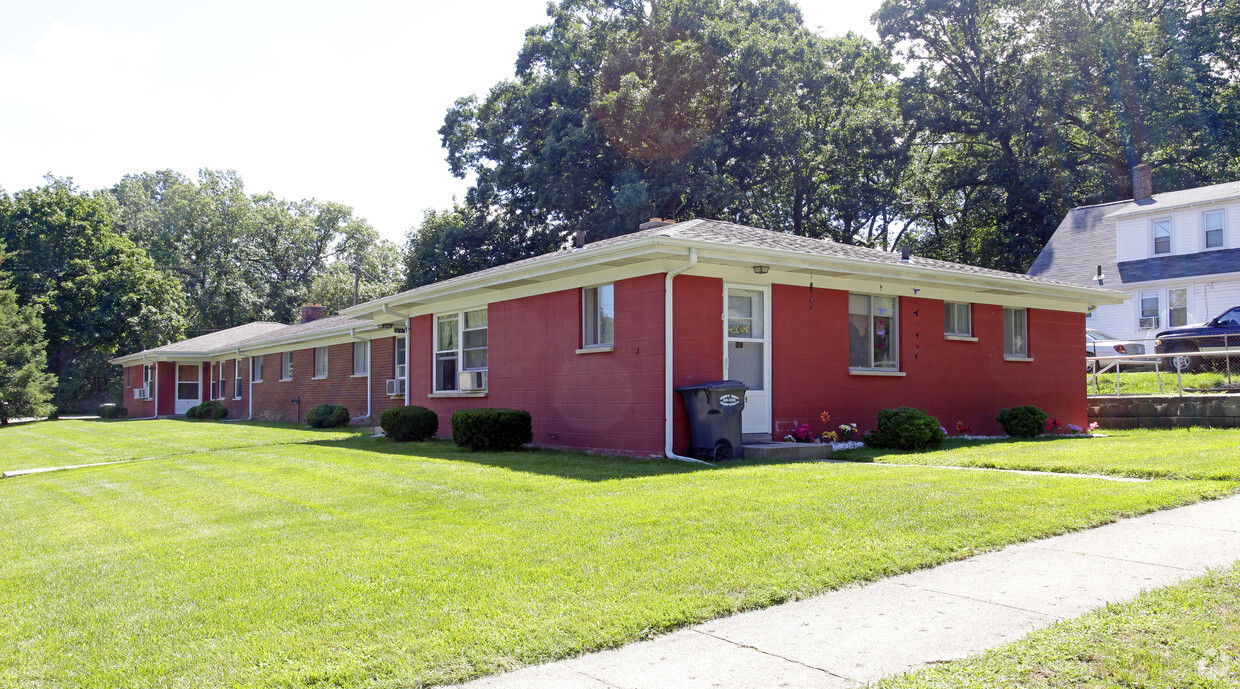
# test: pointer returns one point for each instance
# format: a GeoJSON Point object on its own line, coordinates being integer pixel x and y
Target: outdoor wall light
{"type": "Point", "coordinates": [761, 270]}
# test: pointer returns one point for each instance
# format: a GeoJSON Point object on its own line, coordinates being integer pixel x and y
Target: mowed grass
{"type": "Point", "coordinates": [1139, 382]}
{"type": "Point", "coordinates": [1187, 453]}
{"type": "Point", "coordinates": [60, 443]}
{"type": "Point", "coordinates": [364, 563]}
{"type": "Point", "coordinates": [1180, 636]}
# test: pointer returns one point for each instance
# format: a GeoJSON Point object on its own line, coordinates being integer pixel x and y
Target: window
{"type": "Point", "coordinates": [598, 323]}
{"type": "Point", "coordinates": [286, 366]}
{"type": "Point", "coordinates": [236, 379]}
{"type": "Point", "coordinates": [256, 369]}
{"type": "Point", "coordinates": [872, 332]}
{"type": "Point", "coordinates": [1162, 236]}
{"type": "Point", "coordinates": [1148, 319]}
{"type": "Point", "coordinates": [1015, 334]}
{"type": "Point", "coordinates": [400, 358]}
{"type": "Point", "coordinates": [146, 378]}
{"type": "Point", "coordinates": [1177, 307]}
{"type": "Point", "coordinates": [361, 358]}
{"type": "Point", "coordinates": [956, 320]}
{"type": "Point", "coordinates": [215, 386]}
{"type": "Point", "coordinates": [320, 362]}
{"type": "Point", "coordinates": [1213, 222]}
{"type": "Point", "coordinates": [460, 345]}
{"type": "Point", "coordinates": [223, 388]}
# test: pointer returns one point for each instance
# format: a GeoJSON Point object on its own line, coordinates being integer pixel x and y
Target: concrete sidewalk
{"type": "Point", "coordinates": [857, 635]}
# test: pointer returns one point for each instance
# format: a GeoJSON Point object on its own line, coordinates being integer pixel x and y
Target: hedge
{"type": "Point", "coordinates": [495, 430]}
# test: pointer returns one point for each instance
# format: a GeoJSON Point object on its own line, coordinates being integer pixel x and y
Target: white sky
{"type": "Point", "coordinates": [338, 101]}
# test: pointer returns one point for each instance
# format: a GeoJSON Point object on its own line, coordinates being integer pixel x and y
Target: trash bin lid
{"type": "Point", "coordinates": [715, 385]}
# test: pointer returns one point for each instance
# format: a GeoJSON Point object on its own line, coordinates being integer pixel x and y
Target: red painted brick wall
{"type": "Point", "coordinates": [611, 400]}
{"type": "Point", "coordinates": [952, 380]}
{"type": "Point", "coordinates": [273, 397]}
{"type": "Point", "coordinates": [383, 367]}
{"type": "Point", "coordinates": [138, 409]}
{"type": "Point", "coordinates": [697, 333]}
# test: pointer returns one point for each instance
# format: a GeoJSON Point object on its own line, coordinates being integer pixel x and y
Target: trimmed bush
{"type": "Point", "coordinates": [113, 411]}
{"type": "Point", "coordinates": [403, 424]}
{"type": "Point", "coordinates": [906, 428]}
{"type": "Point", "coordinates": [495, 430]}
{"type": "Point", "coordinates": [212, 410]}
{"type": "Point", "coordinates": [1022, 422]}
{"type": "Point", "coordinates": [192, 412]}
{"type": "Point", "coordinates": [328, 416]}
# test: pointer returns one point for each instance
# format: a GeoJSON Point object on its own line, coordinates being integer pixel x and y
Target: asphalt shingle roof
{"type": "Point", "coordinates": [221, 339]}
{"type": "Point", "coordinates": [1182, 265]}
{"type": "Point", "coordinates": [1082, 242]}
{"type": "Point", "coordinates": [1184, 197]}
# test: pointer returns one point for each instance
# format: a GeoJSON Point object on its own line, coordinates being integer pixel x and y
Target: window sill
{"type": "Point", "coordinates": [358, 375]}
{"type": "Point", "coordinates": [960, 338]}
{"type": "Point", "coordinates": [318, 377]}
{"type": "Point", "coordinates": [257, 382]}
{"type": "Point", "coordinates": [1017, 358]}
{"type": "Point", "coordinates": [435, 395]}
{"type": "Point", "coordinates": [875, 372]}
{"type": "Point", "coordinates": [596, 350]}
{"type": "Point", "coordinates": [286, 380]}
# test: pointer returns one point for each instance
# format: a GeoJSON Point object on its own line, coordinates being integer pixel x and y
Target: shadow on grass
{"type": "Point", "coordinates": [870, 454]}
{"type": "Point", "coordinates": [568, 464]}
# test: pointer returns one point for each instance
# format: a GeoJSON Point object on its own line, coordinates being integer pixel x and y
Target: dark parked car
{"type": "Point", "coordinates": [1221, 333]}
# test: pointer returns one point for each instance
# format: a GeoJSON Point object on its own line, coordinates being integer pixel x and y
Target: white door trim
{"type": "Point", "coordinates": [756, 418]}
{"type": "Point", "coordinates": [183, 405]}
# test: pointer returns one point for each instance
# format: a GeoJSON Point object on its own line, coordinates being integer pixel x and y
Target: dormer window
{"type": "Point", "coordinates": [1213, 222]}
{"type": "Point", "coordinates": [1162, 236]}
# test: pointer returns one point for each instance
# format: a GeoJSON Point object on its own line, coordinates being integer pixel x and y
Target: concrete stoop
{"type": "Point", "coordinates": [787, 452]}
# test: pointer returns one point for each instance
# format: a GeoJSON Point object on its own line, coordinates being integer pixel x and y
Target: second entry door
{"type": "Point", "coordinates": [747, 351]}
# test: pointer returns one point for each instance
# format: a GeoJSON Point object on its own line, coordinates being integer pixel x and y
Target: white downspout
{"type": "Point", "coordinates": [370, 365]}
{"type": "Point", "coordinates": [669, 399]}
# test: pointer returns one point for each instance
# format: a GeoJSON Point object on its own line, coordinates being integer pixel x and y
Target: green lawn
{"type": "Point", "coordinates": [1194, 453]}
{"type": "Point", "coordinates": [61, 443]}
{"type": "Point", "coordinates": [1179, 636]}
{"type": "Point", "coordinates": [299, 559]}
{"type": "Point", "coordinates": [1146, 382]}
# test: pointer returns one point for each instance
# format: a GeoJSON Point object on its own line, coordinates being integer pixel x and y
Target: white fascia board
{"type": "Point", "coordinates": [1170, 208]}
{"type": "Point", "coordinates": [903, 272]}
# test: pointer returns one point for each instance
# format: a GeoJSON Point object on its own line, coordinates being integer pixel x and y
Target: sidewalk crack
{"type": "Point", "coordinates": [774, 655]}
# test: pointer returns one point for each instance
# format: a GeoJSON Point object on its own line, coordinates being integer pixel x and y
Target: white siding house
{"type": "Point", "coordinates": [1176, 254]}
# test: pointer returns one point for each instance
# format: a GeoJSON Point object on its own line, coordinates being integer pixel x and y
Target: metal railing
{"type": "Point", "coordinates": [1099, 365]}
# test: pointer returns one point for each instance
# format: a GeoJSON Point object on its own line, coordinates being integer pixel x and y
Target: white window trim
{"type": "Point", "coordinates": [256, 368]}
{"type": "Point", "coordinates": [237, 379]}
{"type": "Point", "coordinates": [286, 366]}
{"type": "Point", "coordinates": [400, 368]}
{"type": "Point", "coordinates": [317, 375]}
{"type": "Point", "coordinates": [968, 337]}
{"type": "Point", "coordinates": [1223, 229]}
{"type": "Point", "coordinates": [365, 359]}
{"type": "Point", "coordinates": [222, 390]}
{"type": "Point", "coordinates": [460, 353]}
{"type": "Point", "coordinates": [1154, 237]}
{"type": "Point", "coordinates": [895, 336]}
{"type": "Point", "coordinates": [599, 344]}
{"type": "Point", "coordinates": [1160, 295]}
{"type": "Point", "coordinates": [1016, 356]}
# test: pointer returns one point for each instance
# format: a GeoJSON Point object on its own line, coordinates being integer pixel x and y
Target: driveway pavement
{"type": "Point", "coordinates": [857, 635]}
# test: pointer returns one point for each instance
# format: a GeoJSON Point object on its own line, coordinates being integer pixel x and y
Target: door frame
{"type": "Point", "coordinates": [178, 407]}
{"type": "Point", "coordinates": [762, 421]}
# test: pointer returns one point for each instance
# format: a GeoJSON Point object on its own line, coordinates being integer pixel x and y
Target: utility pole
{"type": "Point", "coordinates": [357, 277]}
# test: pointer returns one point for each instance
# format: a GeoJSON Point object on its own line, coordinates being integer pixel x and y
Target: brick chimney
{"type": "Point", "coordinates": [1142, 182]}
{"type": "Point", "coordinates": [313, 312]}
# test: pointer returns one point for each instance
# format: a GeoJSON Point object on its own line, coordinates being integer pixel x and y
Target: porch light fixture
{"type": "Point", "coordinates": [761, 270]}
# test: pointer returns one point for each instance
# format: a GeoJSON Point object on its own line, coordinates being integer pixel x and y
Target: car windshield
{"type": "Point", "coordinates": [1232, 317]}
{"type": "Point", "coordinates": [1097, 335]}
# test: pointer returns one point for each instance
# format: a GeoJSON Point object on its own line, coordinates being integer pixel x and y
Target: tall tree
{"type": "Point", "coordinates": [94, 287]}
{"type": "Point", "coordinates": [25, 388]}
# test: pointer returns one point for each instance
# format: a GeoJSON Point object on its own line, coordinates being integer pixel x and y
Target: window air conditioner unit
{"type": "Point", "coordinates": [1149, 323]}
{"type": "Point", "coordinates": [396, 386]}
{"type": "Point", "coordinates": [471, 381]}
{"type": "Point", "coordinates": [142, 393]}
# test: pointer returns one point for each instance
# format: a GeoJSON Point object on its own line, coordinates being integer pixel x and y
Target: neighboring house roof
{"type": "Point", "coordinates": [1082, 242]}
{"type": "Point", "coordinates": [1214, 193]}
{"type": "Point", "coordinates": [1086, 240]}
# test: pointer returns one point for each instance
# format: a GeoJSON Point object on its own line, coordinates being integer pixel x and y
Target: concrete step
{"type": "Point", "coordinates": [787, 452]}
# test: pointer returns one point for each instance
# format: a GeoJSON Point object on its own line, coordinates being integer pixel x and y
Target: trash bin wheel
{"type": "Point", "coordinates": [722, 452]}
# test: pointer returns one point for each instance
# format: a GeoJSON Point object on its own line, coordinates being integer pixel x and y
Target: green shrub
{"type": "Point", "coordinates": [212, 410]}
{"type": "Point", "coordinates": [113, 411]}
{"type": "Point", "coordinates": [192, 412]}
{"type": "Point", "coordinates": [409, 423]}
{"type": "Point", "coordinates": [328, 416]}
{"type": "Point", "coordinates": [906, 428]}
{"type": "Point", "coordinates": [495, 430]}
{"type": "Point", "coordinates": [1022, 422]}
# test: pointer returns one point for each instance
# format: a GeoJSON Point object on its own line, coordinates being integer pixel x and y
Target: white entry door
{"type": "Point", "coordinates": [747, 351]}
{"type": "Point", "coordinates": [189, 382]}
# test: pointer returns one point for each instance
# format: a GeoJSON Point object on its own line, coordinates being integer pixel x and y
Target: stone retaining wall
{"type": "Point", "coordinates": [1220, 411]}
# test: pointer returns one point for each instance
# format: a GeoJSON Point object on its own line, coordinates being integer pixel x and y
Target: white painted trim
{"type": "Point", "coordinates": [437, 395]}
{"type": "Point", "coordinates": [875, 372]}
{"type": "Point", "coordinates": [959, 338]}
{"type": "Point", "coordinates": [766, 347]}
{"type": "Point", "coordinates": [596, 350]}
{"type": "Point", "coordinates": [668, 347]}
{"type": "Point", "coordinates": [1017, 358]}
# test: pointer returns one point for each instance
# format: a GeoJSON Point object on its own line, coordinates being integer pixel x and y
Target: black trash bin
{"type": "Point", "coordinates": [715, 419]}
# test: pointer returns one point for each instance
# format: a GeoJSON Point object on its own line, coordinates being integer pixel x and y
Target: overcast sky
{"type": "Point", "coordinates": [337, 101]}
